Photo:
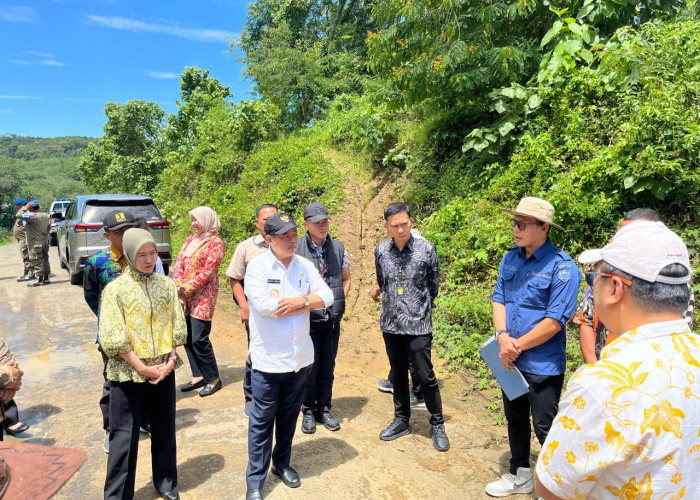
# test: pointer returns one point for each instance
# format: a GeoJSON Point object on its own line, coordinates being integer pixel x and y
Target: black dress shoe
{"type": "Point", "coordinates": [253, 495]}
{"type": "Point", "coordinates": [17, 430]}
{"type": "Point", "coordinates": [395, 429]}
{"type": "Point", "coordinates": [210, 389]}
{"type": "Point", "coordinates": [171, 495]}
{"type": "Point", "coordinates": [191, 386]}
{"type": "Point", "coordinates": [329, 421]}
{"type": "Point", "coordinates": [288, 476]}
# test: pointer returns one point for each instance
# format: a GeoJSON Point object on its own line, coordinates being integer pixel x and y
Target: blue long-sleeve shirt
{"type": "Point", "coordinates": [544, 285]}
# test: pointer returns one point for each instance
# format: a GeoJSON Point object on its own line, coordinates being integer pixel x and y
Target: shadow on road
{"type": "Point", "coordinates": [306, 457]}
{"type": "Point", "coordinates": [190, 475]}
{"type": "Point", "coordinates": [185, 417]}
{"type": "Point", "coordinates": [348, 407]}
{"type": "Point", "coordinates": [33, 415]}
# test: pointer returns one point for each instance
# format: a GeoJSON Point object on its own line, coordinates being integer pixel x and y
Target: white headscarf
{"type": "Point", "coordinates": [211, 224]}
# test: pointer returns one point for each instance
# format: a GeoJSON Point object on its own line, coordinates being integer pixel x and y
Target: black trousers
{"type": "Point", "coordinates": [276, 403]}
{"type": "Point", "coordinates": [199, 350]}
{"type": "Point", "coordinates": [128, 401]}
{"type": "Point", "coordinates": [543, 402]}
{"type": "Point", "coordinates": [11, 413]}
{"type": "Point", "coordinates": [415, 389]}
{"type": "Point", "coordinates": [402, 349]}
{"type": "Point", "coordinates": [104, 399]}
{"type": "Point", "coordinates": [318, 389]}
{"type": "Point", "coordinates": [248, 372]}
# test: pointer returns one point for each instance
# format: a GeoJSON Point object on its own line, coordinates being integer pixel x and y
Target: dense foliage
{"type": "Point", "coordinates": [593, 105]}
{"type": "Point", "coordinates": [38, 168]}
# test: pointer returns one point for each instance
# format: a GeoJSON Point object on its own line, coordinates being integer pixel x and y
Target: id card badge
{"type": "Point", "coordinates": [399, 290]}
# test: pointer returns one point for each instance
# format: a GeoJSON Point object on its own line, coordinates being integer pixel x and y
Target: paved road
{"type": "Point", "coordinates": [52, 332]}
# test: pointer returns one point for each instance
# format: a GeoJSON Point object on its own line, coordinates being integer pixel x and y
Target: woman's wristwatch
{"type": "Point", "coordinates": [307, 302]}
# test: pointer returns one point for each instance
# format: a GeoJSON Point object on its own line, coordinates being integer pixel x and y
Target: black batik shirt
{"type": "Point", "coordinates": [409, 280]}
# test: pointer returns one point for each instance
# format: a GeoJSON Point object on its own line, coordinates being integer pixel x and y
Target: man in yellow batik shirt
{"type": "Point", "coordinates": [628, 425]}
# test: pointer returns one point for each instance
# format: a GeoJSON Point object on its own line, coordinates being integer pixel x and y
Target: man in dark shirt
{"type": "Point", "coordinates": [408, 281]}
{"type": "Point", "coordinates": [331, 260]}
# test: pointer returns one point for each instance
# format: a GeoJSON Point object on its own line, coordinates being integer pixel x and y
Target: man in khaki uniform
{"type": "Point", "coordinates": [37, 226]}
{"type": "Point", "coordinates": [245, 252]}
{"type": "Point", "coordinates": [20, 235]}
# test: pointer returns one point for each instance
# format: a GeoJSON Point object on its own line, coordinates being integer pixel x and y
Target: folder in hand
{"type": "Point", "coordinates": [512, 382]}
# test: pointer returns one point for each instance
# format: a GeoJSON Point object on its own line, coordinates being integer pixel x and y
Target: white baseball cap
{"type": "Point", "coordinates": [643, 249]}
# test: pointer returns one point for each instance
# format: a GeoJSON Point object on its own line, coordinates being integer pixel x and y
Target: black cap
{"type": "Point", "coordinates": [315, 212]}
{"type": "Point", "coordinates": [279, 224]}
{"type": "Point", "coordinates": [118, 219]}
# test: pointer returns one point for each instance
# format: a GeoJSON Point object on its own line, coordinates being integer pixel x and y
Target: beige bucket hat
{"type": "Point", "coordinates": [538, 208]}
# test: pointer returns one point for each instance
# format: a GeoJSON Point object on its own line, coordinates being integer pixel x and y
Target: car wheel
{"type": "Point", "coordinates": [63, 264]}
{"type": "Point", "coordinates": [166, 269]}
{"type": "Point", "coordinates": [76, 278]}
{"type": "Point", "coordinates": [53, 240]}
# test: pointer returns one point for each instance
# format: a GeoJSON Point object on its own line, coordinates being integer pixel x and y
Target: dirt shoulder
{"type": "Point", "coordinates": [52, 332]}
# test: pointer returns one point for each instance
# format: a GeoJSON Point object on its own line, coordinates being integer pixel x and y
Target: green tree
{"type": "Point", "coordinates": [128, 157]}
{"type": "Point", "coordinates": [199, 92]}
{"type": "Point", "coordinates": [301, 54]}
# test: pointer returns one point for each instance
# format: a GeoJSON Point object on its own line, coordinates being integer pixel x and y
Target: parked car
{"type": "Point", "coordinates": [80, 234]}
{"type": "Point", "coordinates": [58, 206]}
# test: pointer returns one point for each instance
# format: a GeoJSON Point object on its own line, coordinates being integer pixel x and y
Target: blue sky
{"type": "Point", "coordinates": [62, 60]}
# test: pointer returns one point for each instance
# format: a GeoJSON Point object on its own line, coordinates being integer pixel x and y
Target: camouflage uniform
{"type": "Point", "coordinates": [20, 234]}
{"type": "Point", "coordinates": [38, 225]}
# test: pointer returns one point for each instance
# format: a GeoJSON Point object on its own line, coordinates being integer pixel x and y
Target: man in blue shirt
{"type": "Point", "coordinates": [535, 296]}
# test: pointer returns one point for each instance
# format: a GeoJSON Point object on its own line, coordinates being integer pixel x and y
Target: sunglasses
{"type": "Point", "coordinates": [590, 277]}
{"type": "Point", "coordinates": [522, 225]}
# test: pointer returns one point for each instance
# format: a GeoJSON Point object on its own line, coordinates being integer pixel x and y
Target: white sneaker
{"type": "Point", "coordinates": [510, 484]}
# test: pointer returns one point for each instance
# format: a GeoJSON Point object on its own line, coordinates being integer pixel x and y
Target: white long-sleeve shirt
{"type": "Point", "coordinates": [281, 345]}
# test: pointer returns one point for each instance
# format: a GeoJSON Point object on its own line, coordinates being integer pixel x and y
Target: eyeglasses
{"type": "Point", "coordinates": [522, 225]}
{"type": "Point", "coordinates": [590, 277]}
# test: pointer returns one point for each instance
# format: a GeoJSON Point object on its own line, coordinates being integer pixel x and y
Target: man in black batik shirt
{"type": "Point", "coordinates": [408, 281]}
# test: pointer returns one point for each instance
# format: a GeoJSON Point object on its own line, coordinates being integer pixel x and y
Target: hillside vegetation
{"type": "Point", "coordinates": [38, 168]}
{"type": "Point", "coordinates": [468, 106]}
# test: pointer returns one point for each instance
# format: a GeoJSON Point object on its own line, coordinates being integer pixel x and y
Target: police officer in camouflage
{"type": "Point", "coordinates": [37, 225]}
{"type": "Point", "coordinates": [20, 234]}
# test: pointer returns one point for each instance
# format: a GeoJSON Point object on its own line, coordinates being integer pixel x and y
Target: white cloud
{"type": "Point", "coordinates": [43, 62]}
{"type": "Point", "coordinates": [20, 97]}
{"type": "Point", "coordinates": [17, 14]}
{"type": "Point", "coordinates": [200, 35]}
{"type": "Point", "coordinates": [161, 75]}
{"type": "Point", "coordinates": [45, 55]}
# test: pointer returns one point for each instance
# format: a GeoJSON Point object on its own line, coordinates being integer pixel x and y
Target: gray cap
{"type": "Point", "coordinates": [315, 212]}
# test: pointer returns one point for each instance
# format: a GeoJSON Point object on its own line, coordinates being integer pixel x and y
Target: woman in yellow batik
{"type": "Point", "coordinates": [141, 324]}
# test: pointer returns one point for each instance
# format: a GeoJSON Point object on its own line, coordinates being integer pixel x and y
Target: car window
{"type": "Point", "coordinates": [59, 206]}
{"type": "Point", "coordinates": [70, 213]}
{"type": "Point", "coordinates": [95, 210]}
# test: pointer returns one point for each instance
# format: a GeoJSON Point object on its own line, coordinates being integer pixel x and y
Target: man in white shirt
{"type": "Point", "coordinates": [246, 251]}
{"type": "Point", "coordinates": [627, 426]}
{"type": "Point", "coordinates": [281, 288]}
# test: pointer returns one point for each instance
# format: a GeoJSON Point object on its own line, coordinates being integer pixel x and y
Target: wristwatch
{"type": "Point", "coordinates": [498, 332]}
{"type": "Point", "coordinates": [307, 302]}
